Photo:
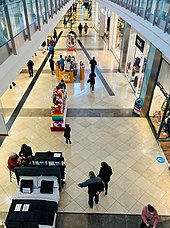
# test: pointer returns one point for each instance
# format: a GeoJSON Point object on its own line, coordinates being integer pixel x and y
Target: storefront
{"type": "Point", "coordinates": [159, 111]}
{"type": "Point", "coordinates": [117, 36]}
{"type": "Point", "coordinates": [138, 49]}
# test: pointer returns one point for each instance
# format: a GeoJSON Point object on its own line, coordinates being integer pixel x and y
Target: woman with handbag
{"type": "Point", "coordinates": [105, 173]}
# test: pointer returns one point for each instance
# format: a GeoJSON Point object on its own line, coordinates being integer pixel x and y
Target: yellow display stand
{"type": "Point", "coordinates": [81, 73]}
{"type": "Point", "coordinates": [68, 76]}
{"type": "Point", "coordinates": [57, 70]}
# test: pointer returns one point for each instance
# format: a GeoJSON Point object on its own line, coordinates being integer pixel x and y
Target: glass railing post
{"type": "Point", "coordinates": [38, 16]}
{"type": "Point", "coordinates": [146, 10]}
{"type": "Point", "coordinates": [14, 51]}
{"type": "Point", "coordinates": [155, 12]}
{"type": "Point", "coordinates": [45, 6]}
{"type": "Point", "coordinates": [26, 20]}
{"type": "Point", "coordinates": [131, 7]}
{"type": "Point", "coordinates": [138, 7]}
{"type": "Point", "coordinates": [56, 7]}
{"type": "Point", "coordinates": [51, 8]}
{"type": "Point", "coordinates": [167, 21]}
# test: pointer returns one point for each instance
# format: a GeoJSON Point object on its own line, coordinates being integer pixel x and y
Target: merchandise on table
{"type": "Point", "coordinates": [58, 109]}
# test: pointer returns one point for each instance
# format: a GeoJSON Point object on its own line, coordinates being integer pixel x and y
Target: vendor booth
{"type": "Point", "coordinates": [58, 109]}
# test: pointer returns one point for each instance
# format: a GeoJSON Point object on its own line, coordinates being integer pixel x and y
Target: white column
{"type": "Point", "coordinates": [102, 21]}
{"type": "Point", "coordinates": [111, 30]}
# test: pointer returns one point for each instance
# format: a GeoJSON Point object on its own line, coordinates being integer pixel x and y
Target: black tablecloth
{"type": "Point", "coordinates": [40, 212]}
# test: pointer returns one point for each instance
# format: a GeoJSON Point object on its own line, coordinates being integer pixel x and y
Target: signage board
{"type": "Point", "coordinates": [139, 43]}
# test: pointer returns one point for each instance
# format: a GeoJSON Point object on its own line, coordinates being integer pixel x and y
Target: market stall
{"type": "Point", "coordinates": [58, 109]}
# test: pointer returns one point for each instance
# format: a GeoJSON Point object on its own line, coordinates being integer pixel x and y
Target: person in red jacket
{"type": "Point", "coordinates": [149, 217]}
{"type": "Point", "coordinates": [13, 161]}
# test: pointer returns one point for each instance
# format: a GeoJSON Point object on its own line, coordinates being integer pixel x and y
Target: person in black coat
{"type": "Point", "coordinates": [25, 155]}
{"type": "Point", "coordinates": [30, 65]}
{"type": "Point", "coordinates": [92, 80]}
{"type": "Point", "coordinates": [51, 61]}
{"type": "Point", "coordinates": [67, 133]}
{"type": "Point", "coordinates": [93, 64]}
{"type": "Point", "coordinates": [105, 173]}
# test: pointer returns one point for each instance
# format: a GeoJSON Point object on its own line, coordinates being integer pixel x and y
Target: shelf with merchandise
{"type": "Point", "coordinates": [58, 109]}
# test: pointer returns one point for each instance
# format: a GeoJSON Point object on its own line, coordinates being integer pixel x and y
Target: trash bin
{"type": "Point", "coordinates": [82, 69]}
{"type": "Point", "coordinates": [57, 68]}
{"type": "Point", "coordinates": [138, 106]}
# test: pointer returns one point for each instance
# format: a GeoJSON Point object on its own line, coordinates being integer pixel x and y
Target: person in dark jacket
{"type": "Point", "coordinates": [93, 64]}
{"type": "Point", "coordinates": [95, 186]}
{"type": "Point", "coordinates": [80, 28]}
{"type": "Point", "coordinates": [25, 155]}
{"type": "Point", "coordinates": [62, 84]}
{"type": "Point", "coordinates": [55, 35]}
{"type": "Point", "coordinates": [51, 61]}
{"type": "Point", "coordinates": [105, 173]}
{"type": "Point", "coordinates": [92, 80]}
{"type": "Point", "coordinates": [30, 65]}
{"type": "Point", "coordinates": [67, 133]}
{"type": "Point", "coordinates": [13, 161]}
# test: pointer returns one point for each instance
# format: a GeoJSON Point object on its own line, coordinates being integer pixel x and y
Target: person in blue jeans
{"type": "Point", "coordinates": [61, 63]}
{"type": "Point", "coordinates": [95, 186]}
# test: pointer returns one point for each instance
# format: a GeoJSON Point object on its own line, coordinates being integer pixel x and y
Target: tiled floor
{"type": "Point", "coordinates": [125, 143]}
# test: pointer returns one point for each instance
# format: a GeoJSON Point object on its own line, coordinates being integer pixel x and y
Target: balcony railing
{"type": "Point", "coordinates": [155, 11]}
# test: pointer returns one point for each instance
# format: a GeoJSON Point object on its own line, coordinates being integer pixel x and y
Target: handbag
{"type": "Point", "coordinates": [88, 80]}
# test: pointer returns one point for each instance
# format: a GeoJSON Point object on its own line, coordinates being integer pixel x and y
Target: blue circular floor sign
{"type": "Point", "coordinates": [160, 159]}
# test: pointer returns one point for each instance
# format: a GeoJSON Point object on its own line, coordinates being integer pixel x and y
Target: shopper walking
{"type": "Point", "coordinates": [93, 64]}
{"type": "Point", "coordinates": [43, 45]}
{"type": "Point", "coordinates": [51, 50]}
{"type": "Point", "coordinates": [105, 173]}
{"type": "Point", "coordinates": [65, 22]}
{"type": "Point", "coordinates": [149, 217]}
{"type": "Point", "coordinates": [67, 133]}
{"type": "Point", "coordinates": [61, 63]}
{"type": "Point", "coordinates": [80, 28]}
{"type": "Point", "coordinates": [51, 61]}
{"type": "Point", "coordinates": [55, 35]}
{"type": "Point", "coordinates": [30, 65]}
{"type": "Point", "coordinates": [95, 186]}
{"type": "Point", "coordinates": [86, 28]}
{"type": "Point", "coordinates": [92, 80]}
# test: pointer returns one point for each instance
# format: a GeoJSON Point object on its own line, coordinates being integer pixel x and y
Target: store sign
{"type": "Point", "coordinates": [139, 43]}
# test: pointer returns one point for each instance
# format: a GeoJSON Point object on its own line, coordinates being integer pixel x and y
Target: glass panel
{"type": "Point", "coordinates": [41, 10]}
{"type": "Point", "coordinates": [4, 33]}
{"type": "Point", "coordinates": [163, 8]}
{"type": "Point", "coordinates": [156, 111]}
{"type": "Point", "coordinates": [143, 4]}
{"type": "Point", "coordinates": [31, 10]}
{"type": "Point", "coordinates": [17, 17]}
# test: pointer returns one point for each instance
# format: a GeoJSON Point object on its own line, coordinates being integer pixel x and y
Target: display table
{"type": "Point", "coordinates": [67, 76]}
{"type": "Point", "coordinates": [58, 109]}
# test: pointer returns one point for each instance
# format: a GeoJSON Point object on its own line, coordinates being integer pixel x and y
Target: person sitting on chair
{"type": "Point", "coordinates": [25, 155]}
{"type": "Point", "coordinates": [13, 161]}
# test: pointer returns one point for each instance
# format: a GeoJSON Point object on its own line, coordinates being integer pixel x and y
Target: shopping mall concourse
{"type": "Point", "coordinates": [123, 121]}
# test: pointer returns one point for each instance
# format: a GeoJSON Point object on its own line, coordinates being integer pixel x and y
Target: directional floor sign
{"type": "Point", "coordinates": [160, 159]}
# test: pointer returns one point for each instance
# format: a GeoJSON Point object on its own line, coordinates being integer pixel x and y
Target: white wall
{"type": "Point", "coordinates": [152, 33]}
{"type": "Point", "coordinates": [11, 68]}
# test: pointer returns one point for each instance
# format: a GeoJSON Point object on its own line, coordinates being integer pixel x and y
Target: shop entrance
{"type": "Point", "coordinates": [159, 111]}
{"type": "Point", "coordinates": [136, 62]}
